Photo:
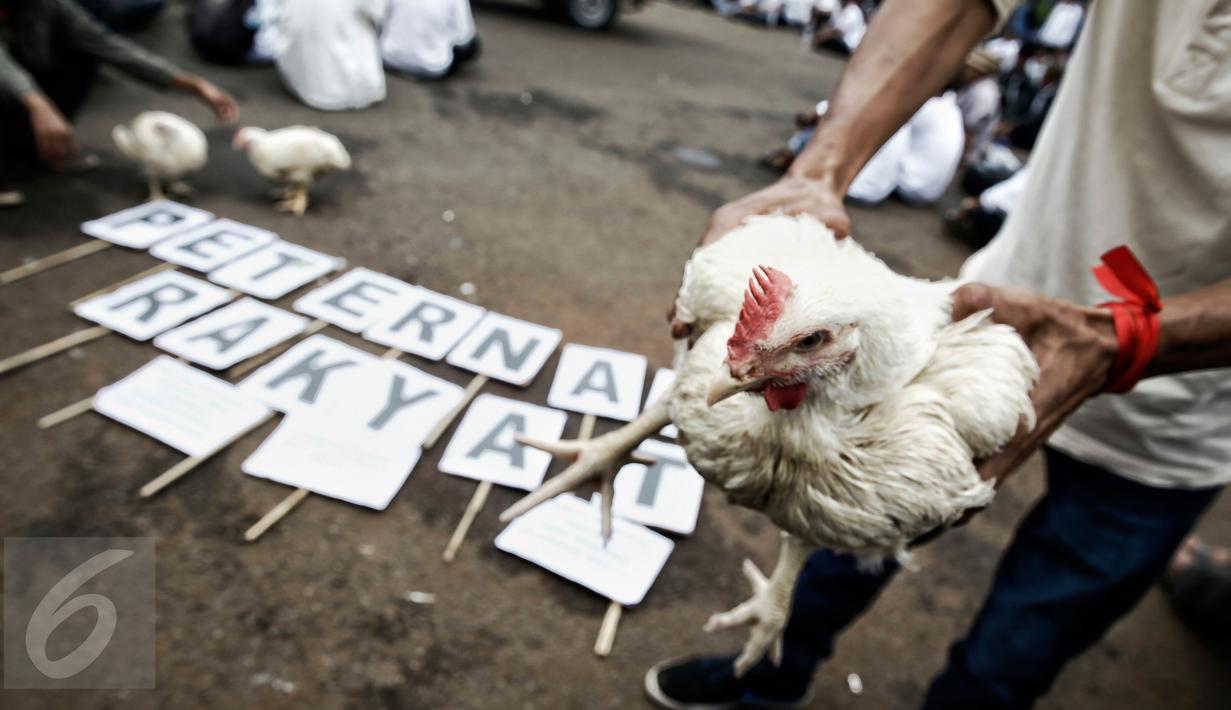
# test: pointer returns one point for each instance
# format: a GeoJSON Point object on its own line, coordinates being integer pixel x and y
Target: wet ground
{"type": "Point", "coordinates": [581, 169]}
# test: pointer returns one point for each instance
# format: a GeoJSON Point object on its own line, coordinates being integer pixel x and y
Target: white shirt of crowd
{"type": "Point", "coordinates": [332, 53]}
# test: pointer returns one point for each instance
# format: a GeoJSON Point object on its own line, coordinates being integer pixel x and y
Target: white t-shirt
{"type": "Point", "coordinates": [879, 178]}
{"type": "Point", "coordinates": [934, 152]}
{"type": "Point", "coordinates": [1003, 196]}
{"type": "Point", "coordinates": [980, 105]}
{"type": "Point", "coordinates": [420, 35]}
{"type": "Point", "coordinates": [1135, 151]}
{"type": "Point", "coordinates": [1060, 27]}
{"type": "Point", "coordinates": [920, 160]}
{"type": "Point", "coordinates": [851, 23]}
{"type": "Point", "coordinates": [1006, 50]}
{"type": "Point", "coordinates": [327, 52]}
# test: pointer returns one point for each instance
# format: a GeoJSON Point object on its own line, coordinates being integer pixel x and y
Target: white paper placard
{"type": "Point", "coordinates": [211, 245]}
{"type": "Point", "coordinates": [563, 535]}
{"type": "Point", "coordinates": [598, 381]}
{"type": "Point", "coordinates": [232, 333]}
{"type": "Point", "coordinates": [142, 226]}
{"type": "Point", "coordinates": [299, 378]}
{"type": "Point", "coordinates": [663, 380]}
{"type": "Point", "coordinates": [484, 447]}
{"type": "Point", "coordinates": [505, 349]}
{"type": "Point", "coordinates": [424, 323]}
{"type": "Point", "coordinates": [276, 270]}
{"type": "Point", "coordinates": [156, 303]}
{"type": "Point", "coordinates": [666, 495]}
{"type": "Point", "coordinates": [180, 406]}
{"type": "Point", "coordinates": [361, 443]}
{"type": "Point", "coordinates": [354, 300]}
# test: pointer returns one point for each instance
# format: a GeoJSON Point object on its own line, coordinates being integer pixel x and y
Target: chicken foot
{"type": "Point", "coordinates": [296, 200]}
{"type": "Point", "coordinates": [598, 459]}
{"type": "Point", "coordinates": [155, 188]}
{"type": "Point", "coordinates": [768, 609]}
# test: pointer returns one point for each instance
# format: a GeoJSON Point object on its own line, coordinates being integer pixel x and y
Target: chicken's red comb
{"type": "Point", "coordinates": [764, 300]}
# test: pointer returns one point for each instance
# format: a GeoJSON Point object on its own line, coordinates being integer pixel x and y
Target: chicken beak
{"type": "Point", "coordinates": [724, 386]}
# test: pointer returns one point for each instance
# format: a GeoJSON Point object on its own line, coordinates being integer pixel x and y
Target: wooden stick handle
{"type": "Point", "coordinates": [275, 514]}
{"type": "Point", "coordinates": [58, 345]}
{"type": "Point", "coordinates": [607, 631]}
{"type": "Point", "coordinates": [477, 501]}
{"type": "Point", "coordinates": [256, 361]}
{"type": "Point", "coordinates": [60, 416]}
{"type": "Point", "coordinates": [586, 430]}
{"type": "Point", "coordinates": [63, 257]}
{"type": "Point", "coordinates": [392, 354]}
{"type": "Point", "coordinates": [472, 389]}
{"type": "Point", "coordinates": [164, 266]}
{"type": "Point", "coordinates": [180, 469]}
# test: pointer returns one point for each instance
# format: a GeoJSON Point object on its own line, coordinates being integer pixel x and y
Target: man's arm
{"type": "Point", "coordinates": [1195, 331]}
{"type": "Point", "coordinates": [1076, 346]}
{"type": "Point", "coordinates": [912, 49]}
{"type": "Point", "coordinates": [89, 36]}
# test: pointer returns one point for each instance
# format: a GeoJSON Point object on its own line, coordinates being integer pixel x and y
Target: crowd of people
{"type": "Point", "coordinates": [980, 127]}
{"type": "Point", "coordinates": [331, 54]}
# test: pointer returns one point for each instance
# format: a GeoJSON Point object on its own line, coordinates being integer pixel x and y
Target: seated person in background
{"type": "Point", "coordinates": [1006, 49]}
{"type": "Point", "coordinates": [49, 56]}
{"type": "Point", "coordinates": [328, 51]}
{"type": "Point", "coordinates": [918, 162]}
{"type": "Point", "coordinates": [845, 29]}
{"type": "Point", "coordinates": [1025, 110]}
{"type": "Point", "coordinates": [978, 219]}
{"type": "Point", "coordinates": [1059, 30]}
{"type": "Point", "coordinates": [429, 38]}
{"type": "Point", "coordinates": [979, 99]}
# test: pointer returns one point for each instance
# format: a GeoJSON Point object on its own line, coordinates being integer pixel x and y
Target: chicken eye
{"type": "Point", "coordinates": [812, 340]}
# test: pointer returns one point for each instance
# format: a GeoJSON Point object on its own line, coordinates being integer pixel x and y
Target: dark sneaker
{"type": "Point", "coordinates": [707, 684]}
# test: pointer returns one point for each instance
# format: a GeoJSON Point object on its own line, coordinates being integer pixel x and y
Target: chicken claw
{"type": "Point", "coordinates": [764, 613]}
{"type": "Point", "coordinates": [591, 459]}
{"type": "Point", "coordinates": [768, 609]}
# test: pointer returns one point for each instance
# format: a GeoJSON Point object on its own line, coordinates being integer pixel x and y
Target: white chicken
{"type": "Point", "coordinates": [294, 156]}
{"type": "Point", "coordinates": [166, 145]}
{"type": "Point", "coordinates": [833, 395]}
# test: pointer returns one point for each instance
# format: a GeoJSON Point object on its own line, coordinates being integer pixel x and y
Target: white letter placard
{"type": "Point", "coordinates": [362, 442]}
{"type": "Point", "coordinates": [666, 495]}
{"type": "Point", "coordinates": [598, 381]}
{"type": "Point", "coordinates": [298, 378]}
{"type": "Point", "coordinates": [141, 226]}
{"type": "Point", "coordinates": [276, 270]}
{"type": "Point", "coordinates": [232, 334]}
{"type": "Point", "coordinates": [354, 300]}
{"type": "Point", "coordinates": [147, 307]}
{"type": "Point", "coordinates": [663, 380]}
{"type": "Point", "coordinates": [505, 349]}
{"type": "Point", "coordinates": [211, 245]}
{"type": "Point", "coordinates": [425, 323]}
{"type": "Point", "coordinates": [180, 406]}
{"type": "Point", "coordinates": [483, 447]}
{"type": "Point", "coordinates": [563, 535]}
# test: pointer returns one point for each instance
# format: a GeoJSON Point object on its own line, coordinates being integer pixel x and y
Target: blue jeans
{"type": "Point", "coordinates": [1086, 554]}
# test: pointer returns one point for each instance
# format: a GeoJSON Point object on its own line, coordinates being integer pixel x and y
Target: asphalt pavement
{"type": "Point", "coordinates": [580, 169]}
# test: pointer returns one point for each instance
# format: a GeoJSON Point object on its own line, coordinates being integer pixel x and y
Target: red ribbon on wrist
{"type": "Point", "coordinates": [1135, 316]}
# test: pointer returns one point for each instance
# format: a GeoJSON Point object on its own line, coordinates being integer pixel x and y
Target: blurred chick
{"type": "Point", "coordinates": [166, 145]}
{"type": "Point", "coordinates": [295, 156]}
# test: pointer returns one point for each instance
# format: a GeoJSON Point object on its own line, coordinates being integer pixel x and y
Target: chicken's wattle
{"type": "Point", "coordinates": [785, 396]}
